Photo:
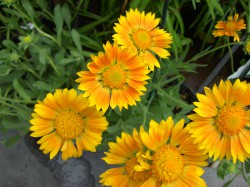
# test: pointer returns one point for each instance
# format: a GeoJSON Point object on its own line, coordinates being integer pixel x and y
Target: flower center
{"type": "Point", "coordinates": [142, 39]}
{"type": "Point", "coordinates": [27, 39]}
{"type": "Point", "coordinates": [231, 26]}
{"type": "Point", "coordinates": [167, 164]}
{"type": "Point", "coordinates": [133, 174]}
{"type": "Point", "coordinates": [231, 120]}
{"type": "Point", "coordinates": [69, 124]}
{"type": "Point", "coordinates": [114, 77]}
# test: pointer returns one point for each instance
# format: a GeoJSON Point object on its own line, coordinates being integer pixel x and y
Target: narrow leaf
{"type": "Point", "coordinates": [58, 19]}
{"type": "Point", "coordinates": [76, 39]}
{"type": "Point", "coordinates": [20, 90]}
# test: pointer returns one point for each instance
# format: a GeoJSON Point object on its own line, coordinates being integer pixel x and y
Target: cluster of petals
{"type": "Point", "coordinates": [65, 122]}
{"type": "Point", "coordinates": [229, 27]}
{"type": "Point", "coordinates": [221, 121]}
{"type": "Point", "coordinates": [139, 33]}
{"type": "Point", "coordinates": [165, 155]}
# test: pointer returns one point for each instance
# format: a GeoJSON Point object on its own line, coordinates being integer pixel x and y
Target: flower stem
{"type": "Point", "coordinates": [17, 100]}
{"type": "Point", "coordinates": [231, 55]}
{"type": "Point", "coordinates": [204, 53]}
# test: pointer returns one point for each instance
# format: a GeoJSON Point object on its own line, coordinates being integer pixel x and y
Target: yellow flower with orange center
{"type": "Point", "coordinates": [230, 27]}
{"type": "Point", "coordinates": [138, 33]}
{"type": "Point", "coordinates": [66, 123]}
{"type": "Point", "coordinates": [221, 121]}
{"type": "Point", "coordinates": [128, 153]}
{"type": "Point", "coordinates": [114, 78]}
{"type": "Point", "coordinates": [175, 159]}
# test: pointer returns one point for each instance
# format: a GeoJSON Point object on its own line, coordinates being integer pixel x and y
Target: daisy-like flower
{"type": "Point", "coordinates": [138, 33]}
{"type": "Point", "coordinates": [66, 123]}
{"type": "Point", "coordinates": [115, 78]}
{"type": "Point", "coordinates": [129, 154]}
{"type": "Point", "coordinates": [221, 122]}
{"type": "Point", "coordinates": [230, 27]}
{"type": "Point", "coordinates": [175, 159]}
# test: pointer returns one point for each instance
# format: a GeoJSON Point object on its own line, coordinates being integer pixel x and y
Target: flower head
{"type": "Point", "coordinates": [65, 122]}
{"type": "Point", "coordinates": [138, 33]}
{"type": "Point", "coordinates": [127, 152]}
{"type": "Point", "coordinates": [114, 78]}
{"type": "Point", "coordinates": [221, 122]}
{"type": "Point", "coordinates": [230, 27]}
{"type": "Point", "coordinates": [175, 159]}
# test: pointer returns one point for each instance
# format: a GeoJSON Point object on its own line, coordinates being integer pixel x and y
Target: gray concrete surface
{"type": "Point", "coordinates": [22, 167]}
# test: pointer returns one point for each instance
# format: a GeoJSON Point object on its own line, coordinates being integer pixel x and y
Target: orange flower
{"type": "Point", "coordinates": [138, 33]}
{"type": "Point", "coordinates": [115, 78]}
{"type": "Point", "coordinates": [230, 27]}
{"type": "Point", "coordinates": [175, 160]}
{"type": "Point", "coordinates": [127, 154]}
{"type": "Point", "coordinates": [66, 123]}
{"type": "Point", "coordinates": [221, 121]}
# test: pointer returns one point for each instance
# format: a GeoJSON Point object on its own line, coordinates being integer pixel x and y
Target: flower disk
{"type": "Point", "coordinates": [138, 33]}
{"type": "Point", "coordinates": [221, 122]}
{"type": "Point", "coordinates": [128, 153]}
{"type": "Point", "coordinates": [115, 78]}
{"type": "Point", "coordinates": [230, 27]}
{"type": "Point", "coordinates": [175, 159]}
{"type": "Point", "coordinates": [65, 122]}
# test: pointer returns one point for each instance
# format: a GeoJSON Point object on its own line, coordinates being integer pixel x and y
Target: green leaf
{"type": "Point", "coordinates": [170, 98]}
{"type": "Point", "coordinates": [58, 19]}
{"type": "Point", "coordinates": [226, 167]}
{"type": "Point", "coordinates": [29, 9]}
{"type": "Point", "coordinates": [42, 86]}
{"type": "Point", "coordinates": [76, 39]}
{"type": "Point", "coordinates": [247, 166]}
{"type": "Point", "coordinates": [42, 4]}
{"type": "Point", "coordinates": [90, 43]}
{"type": "Point", "coordinates": [11, 141]}
{"type": "Point", "coordinates": [10, 77]}
{"type": "Point", "coordinates": [92, 25]}
{"type": "Point", "coordinates": [211, 9]}
{"type": "Point", "coordinates": [9, 44]}
{"type": "Point", "coordinates": [4, 69]}
{"type": "Point", "coordinates": [66, 15]}
{"type": "Point", "coordinates": [217, 6]}
{"type": "Point", "coordinates": [43, 55]}
{"type": "Point", "coordinates": [20, 90]}
{"type": "Point", "coordinates": [10, 124]}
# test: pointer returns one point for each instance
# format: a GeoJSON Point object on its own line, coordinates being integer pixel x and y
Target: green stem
{"type": "Point", "coordinates": [144, 111]}
{"type": "Point", "coordinates": [31, 71]}
{"type": "Point", "coordinates": [36, 27]}
{"type": "Point", "coordinates": [7, 114]}
{"type": "Point", "coordinates": [17, 100]}
{"type": "Point", "coordinates": [212, 50]}
{"type": "Point", "coordinates": [243, 171]}
{"type": "Point", "coordinates": [231, 55]}
{"type": "Point", "coordinates": [54, 66]}
{"type": "Point", "coordinates": [77, 9]}
{"type": "Point", "coordinates": [12, 106]}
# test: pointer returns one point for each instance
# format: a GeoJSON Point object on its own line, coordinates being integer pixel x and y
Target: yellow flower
{"type": "Point", "coordinates": [127, 153]}
{"type": "Point", "coordinates": [230, 27]}
{"type": "Point", "coordinates": [221, 122]}
{"type": "Point", "coordinates": [175, 159]}
{"type": "Point", "coordinates": [27, 39]}
{"type": "Point", "coordinates": [63, 120]}
{"type": "Point", "coordinates": [115, 78]}
{"type": "Point", "coordinates": [138, 33]}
